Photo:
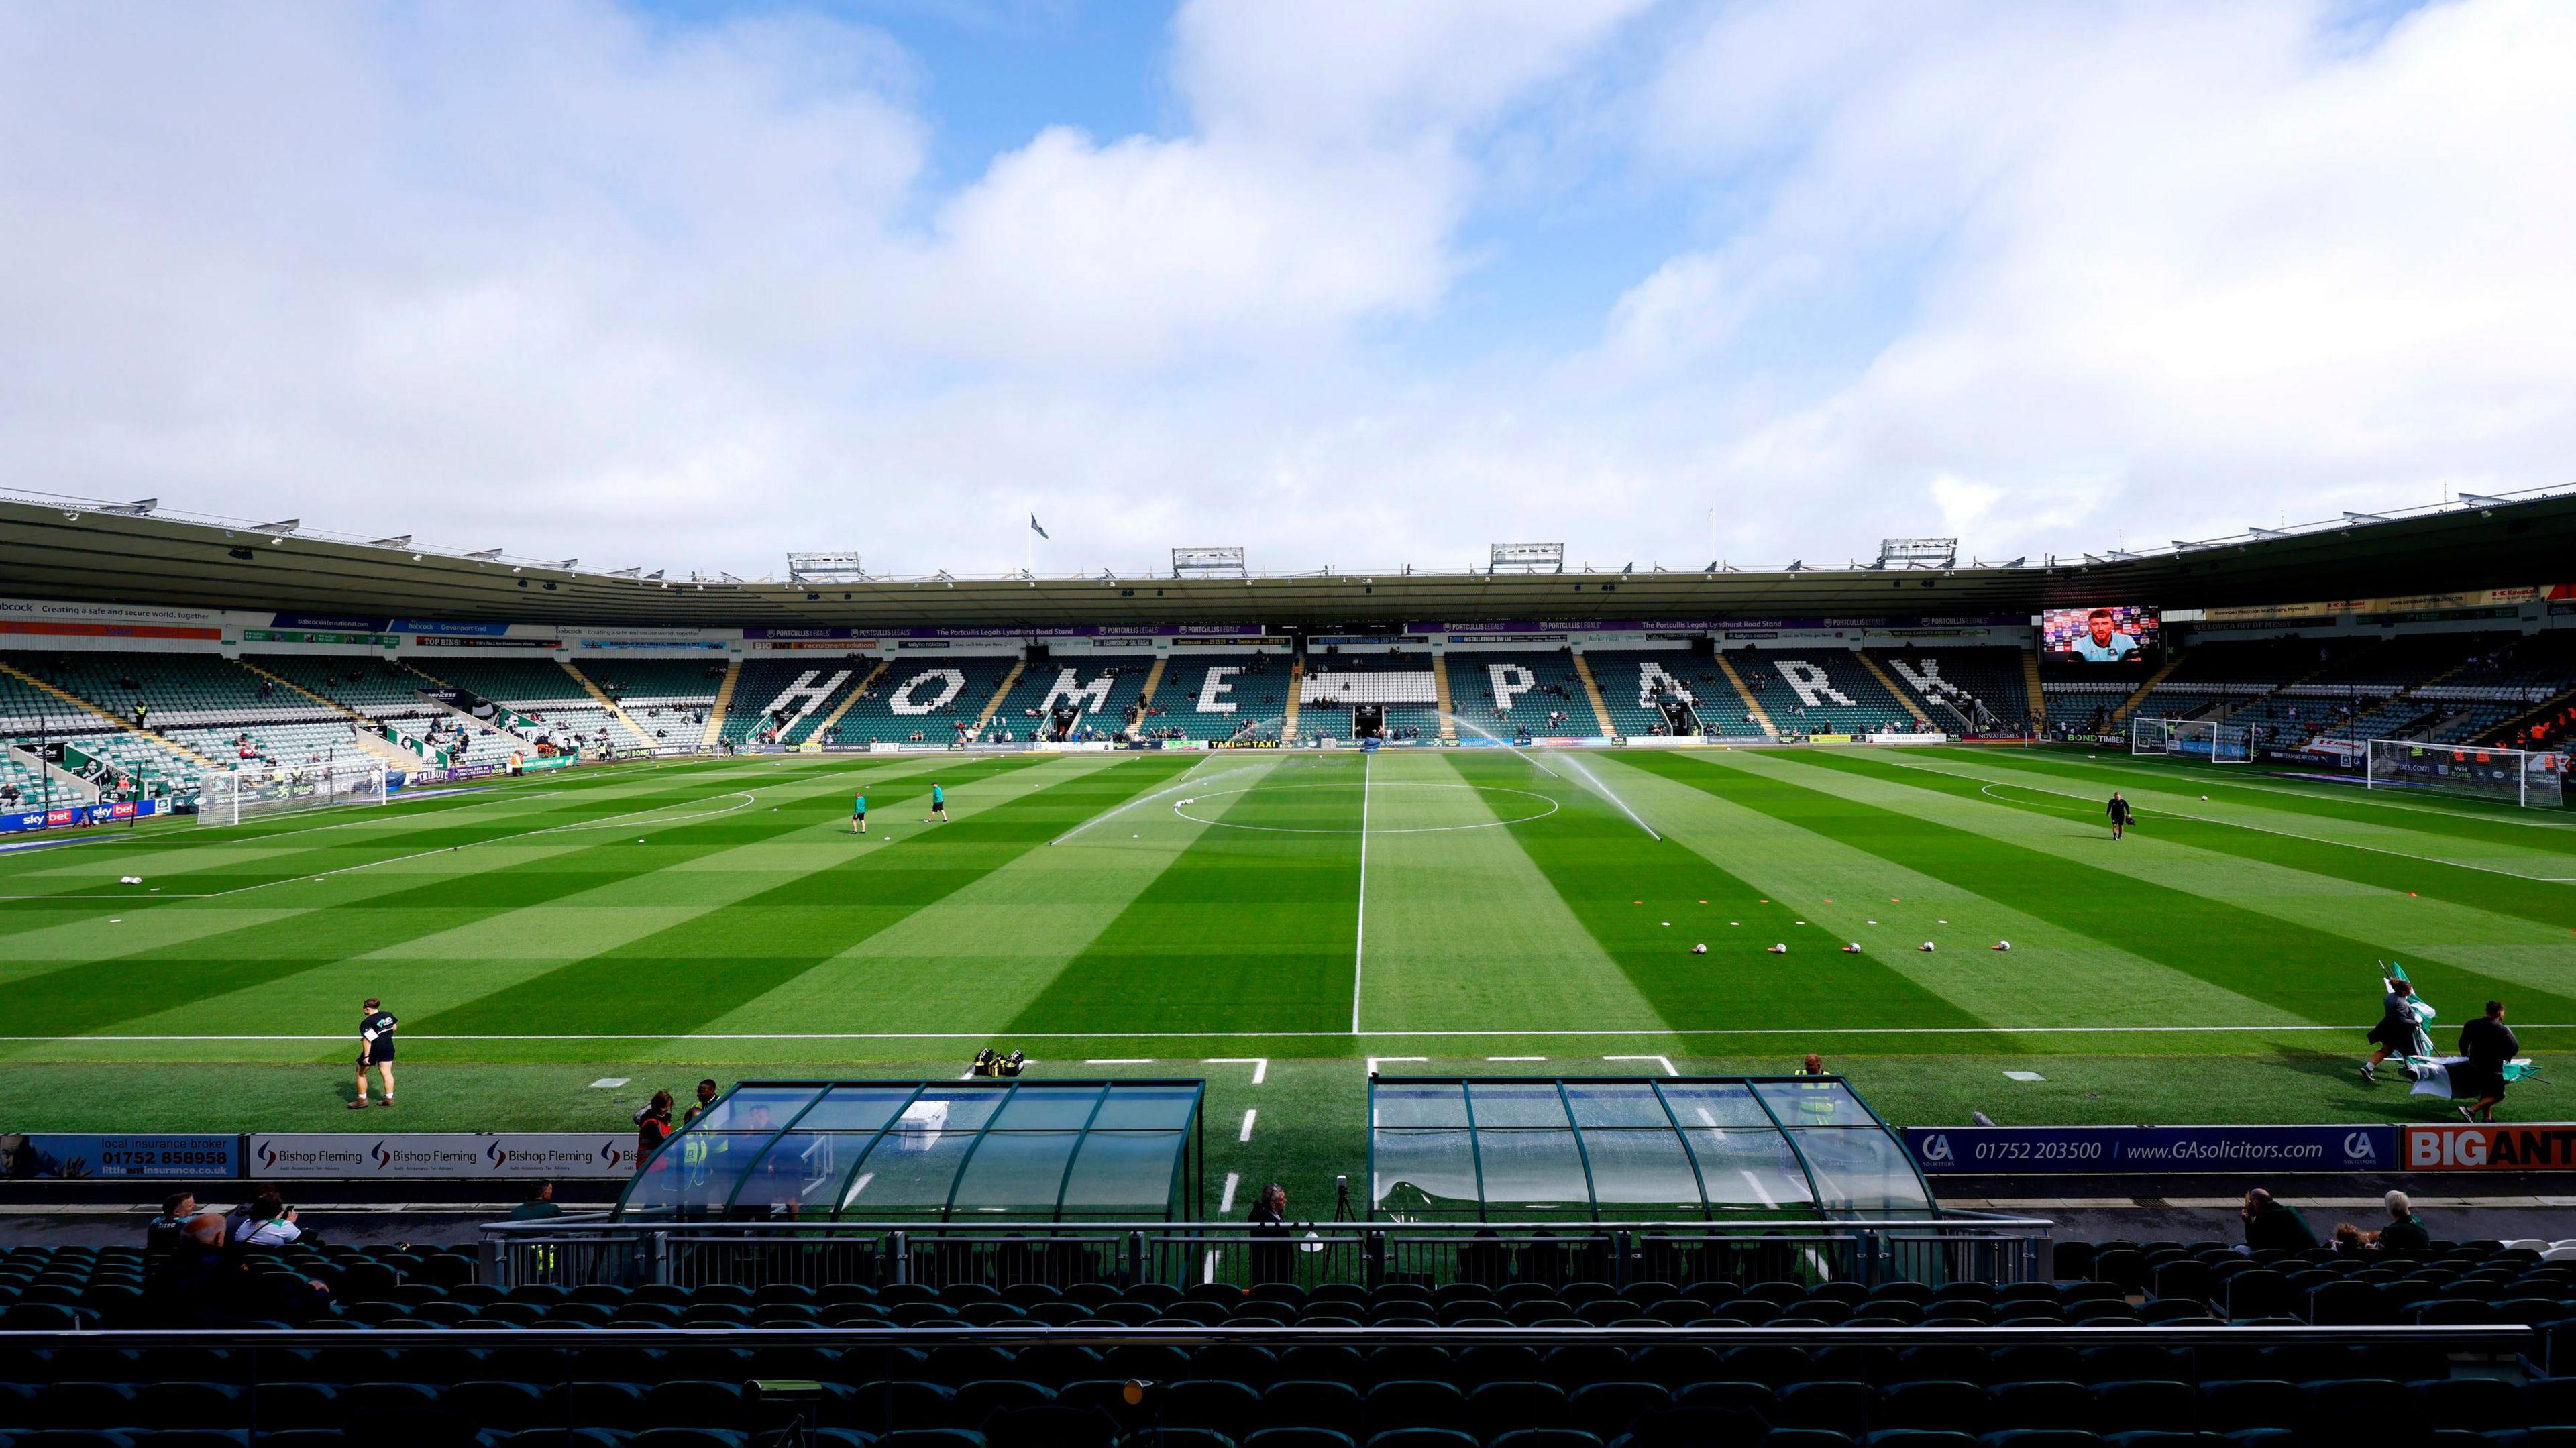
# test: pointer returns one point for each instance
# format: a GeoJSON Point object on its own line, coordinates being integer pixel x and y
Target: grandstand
{"type": "Point", "coordinates": [1209, 696]}
{"type": "Point", "coordinates": [667, 699]}
{"type": "Point", "coordinates": [1511, 693]}
{"type": "Point", "coordinates": [1820, 691]}
{"type": "Point", "coordinates": [1341, 688]}
{"type": "Point", "coordinates": [1634, 681]}
{"type": "Point", "coordinates": [934, 700]}
{"type": "Point", "coordinates": [1962, 690]}
{"type": "Point", "coordinates": [1097, 690]}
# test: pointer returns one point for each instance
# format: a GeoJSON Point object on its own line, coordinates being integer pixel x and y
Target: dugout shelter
{"type": "Point", "coordinates": [921, 1151]}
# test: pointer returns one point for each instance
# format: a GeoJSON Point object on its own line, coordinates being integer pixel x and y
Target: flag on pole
{"type": "Point", "coordinates": [1033, 526]}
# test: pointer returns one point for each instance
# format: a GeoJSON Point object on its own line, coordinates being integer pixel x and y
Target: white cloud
{"type": "Point", "coordinates": [2198, 257]}
{"type": "Point", "coordinates": [551, 276]}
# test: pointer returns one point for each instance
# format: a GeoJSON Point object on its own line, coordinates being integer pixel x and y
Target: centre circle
{"type": "Point", "coordinates": [1180, 808]}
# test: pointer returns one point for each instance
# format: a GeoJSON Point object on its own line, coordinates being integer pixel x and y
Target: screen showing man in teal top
{"type": "Point", "coordinates": [859, 815]}
{"type": "Point", "coordinates": [938, 805]}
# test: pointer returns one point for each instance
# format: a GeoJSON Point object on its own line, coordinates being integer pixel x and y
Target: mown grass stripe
{"type": "Point", "coordinates": [2317, 975]}
{"type": "Point", "coordinates": [1621, 883]}
{"type": "Point", "coordinates": [2259, 787]}
{"type": "Point", "coordinates": [981, 955]}
{"type": "Point", "coordinates": [1246, 930]}
{"type": "Point", "coordinates": [1464, 930]}
{"type": "Point", "coordinates": [94, 995]}
{"type": "Point", "coordinates": [1891, 909]}
{"type": "Point", "coordinates": [679, 979]}
{"type": "Point", "coordinates": [2541, 902]}
{"type": "Point", "coordinates": [446, 966]}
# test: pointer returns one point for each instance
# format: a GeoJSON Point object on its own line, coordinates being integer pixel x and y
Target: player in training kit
{"type": "Point", "coordinates": [859, 815]}
{"type": "Point", "coordinates": [938, 805]}
{"type": "Point", "coordinates": [375, 1048]}
{"type": "Point", "coordinates": [2118, 810]}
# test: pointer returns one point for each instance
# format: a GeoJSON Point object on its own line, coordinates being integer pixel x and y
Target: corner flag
{"type": "Point", "coordinates": [1034, 528]}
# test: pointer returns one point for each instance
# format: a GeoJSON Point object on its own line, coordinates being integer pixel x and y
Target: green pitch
{"type": "Point", "coordinates": [1140, 914]}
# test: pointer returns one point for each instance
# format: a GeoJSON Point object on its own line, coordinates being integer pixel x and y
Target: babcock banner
{"type": "Point", "coordinates": [2030, 1150]}
{"type": "Point", "coordinates": [346, 1155]}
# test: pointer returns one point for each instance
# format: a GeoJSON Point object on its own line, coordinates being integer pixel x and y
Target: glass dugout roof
{"type": "Point", "coordinates": [918, 1151]}
{"type": "Point", "coordinates": [1527, 1148]}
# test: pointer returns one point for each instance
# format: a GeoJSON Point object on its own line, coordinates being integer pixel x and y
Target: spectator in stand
{"type": "Point", "coordinates": [543, 1204]}
{"type": "Point", "coordinates": [652, 1126]}
{"type": "Point", "coordinates": [2488, 1043]}
{"type": "Point", "coordinates": [2351, 1241]}
{"type": "Point", "coordinates": [1269, 1258]}
{"type": "Point", "coordinates": [162, 1235]}
{"type": "Point", "coordinates": [2405, 1233]}
{"type": "Point", "coordinates": [271, 1222]}
{"type": "Point", "coordinates": [2274, 1226]}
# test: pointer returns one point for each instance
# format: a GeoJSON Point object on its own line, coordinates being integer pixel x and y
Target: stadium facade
{"type": "Point", "coordinates": [140, 651]}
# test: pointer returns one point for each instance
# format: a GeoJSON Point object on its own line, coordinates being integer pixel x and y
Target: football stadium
{"type": "Point", "coordinates": [891, 724]}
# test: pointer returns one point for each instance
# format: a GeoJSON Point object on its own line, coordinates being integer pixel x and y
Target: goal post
{"type": "Point", "coordinates": [2207, 739]}
{"type": "Point", "coordinates": [2522, 777]}
{"type": "Point", "coordinates": [2150, 736]}
{"type": "Point", "coordinates": [230, 796]}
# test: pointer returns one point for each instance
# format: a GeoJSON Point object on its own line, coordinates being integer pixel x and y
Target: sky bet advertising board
{"type": "Point", "coordinates": [2110, 633]}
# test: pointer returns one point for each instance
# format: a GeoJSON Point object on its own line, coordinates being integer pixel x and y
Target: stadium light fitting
{"type": "Point", "coordinates": [2353, 517]}
{"type": "Point", "coordinates": [2480, 500]}
{"type": "Point", "coordinates": [284, 525]}
{"type": "Point", "coordinates": [486, 556]}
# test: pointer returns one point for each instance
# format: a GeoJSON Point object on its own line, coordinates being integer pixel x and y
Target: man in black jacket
{"type": "Point", "coordinates": [2118, 810]}
{"type": "Point", "coordinates": [2488, 1043]}
{"type": "Point", "coordinates": [2272, 1225]}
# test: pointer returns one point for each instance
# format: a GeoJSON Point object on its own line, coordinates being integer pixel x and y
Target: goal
{"type": "Point", "coordinates": [2203, 739]}
{"type": "Point", "coordinates": [2509, 776]}
{"type": "Point", "coordinates": [229, 796]}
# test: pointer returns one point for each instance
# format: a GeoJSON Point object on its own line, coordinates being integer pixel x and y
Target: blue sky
{"type": "Point", "coordinates": [687, 285]}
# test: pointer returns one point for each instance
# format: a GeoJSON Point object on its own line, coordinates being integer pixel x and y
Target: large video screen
{"type": "Point", "coordinates": [2105, 634]}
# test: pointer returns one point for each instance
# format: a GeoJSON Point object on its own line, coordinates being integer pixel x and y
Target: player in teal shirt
{"type": "Point", "coordinates": [859, 815]}
{"type": "Point", "coordinates": [938, 805]}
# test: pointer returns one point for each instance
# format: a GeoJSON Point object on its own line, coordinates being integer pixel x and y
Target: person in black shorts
{"type": "Point", "coordinates": [2118, 810]}
{"type": "Point", "coordinates": [859, 815]}
{"type": "Point", "coordinates": [2488, 1043]}
{"type": "Point", "coordinates": [375, 1048]}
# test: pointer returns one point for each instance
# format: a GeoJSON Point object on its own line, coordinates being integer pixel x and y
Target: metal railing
{"type": "Point", "coordinates": [1932, 1250]}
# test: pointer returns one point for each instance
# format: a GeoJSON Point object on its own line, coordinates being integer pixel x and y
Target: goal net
{"type": "Point", "coordinates": [229, 796]}
{"type": "Point", "coordinates": [2150, 736]}
{"type": "Point", "coordinates": [2202, 739]}
{"type": "Point", "coordinates": [2510, 776]}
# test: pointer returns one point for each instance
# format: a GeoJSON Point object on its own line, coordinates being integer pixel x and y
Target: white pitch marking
{"type": "Point", "coordinates": [1515, 1058]}
{"type": "Point", "coordinates": [1280, 1035]}
{"type": "Point", "coordinates": [609, 1083]}
{"type": "Point", "coordinates": [2023, 1076]}
{"type": "Point", "coordinates": [1755, 1183]}
{"type": "Point", "coordinates": [1118, 1061]}
{"type": "Point", "coordinates": [1260, 1065]}
{"type": "Point", "coordinates": [1664, 1061]}
{"type": "Point", "coordinates": [1249, 1117]}
{"type": "Point", "coordinates": [1359, 936]}
{"type": "Point", "coordinates": [1373, 1062]}
{"type": "Point", "coordinates": [1225, 1202]}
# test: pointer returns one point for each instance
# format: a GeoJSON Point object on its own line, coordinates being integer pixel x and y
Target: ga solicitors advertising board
{"type": "Point", "coordinates": [2191, 1150]}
